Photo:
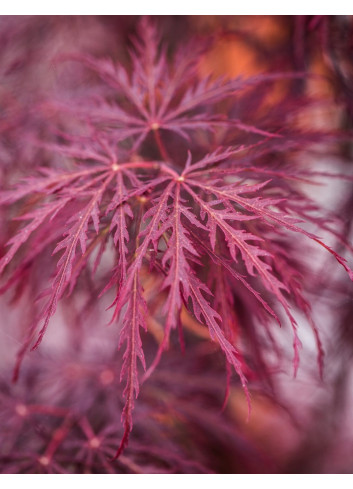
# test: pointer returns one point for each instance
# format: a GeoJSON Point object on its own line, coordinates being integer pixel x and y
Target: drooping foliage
{"type": "Point", "coordinates": [164, 178]}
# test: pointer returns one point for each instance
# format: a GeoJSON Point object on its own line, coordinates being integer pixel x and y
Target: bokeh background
{"type": "Point", "coordinates": [63, 415]}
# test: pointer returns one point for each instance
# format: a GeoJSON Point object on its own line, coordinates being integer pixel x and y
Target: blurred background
{"type": "Point", "coordinates": [63, 415]}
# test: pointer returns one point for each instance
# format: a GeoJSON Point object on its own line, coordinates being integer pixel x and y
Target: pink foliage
{"type": "Point", "coordinates": [158, 171]}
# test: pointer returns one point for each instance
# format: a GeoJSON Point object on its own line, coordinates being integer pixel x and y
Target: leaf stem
{"type": "Point", "coordinates": [162, 149]}
{"type": "Point", "coordinates": [151, 165]}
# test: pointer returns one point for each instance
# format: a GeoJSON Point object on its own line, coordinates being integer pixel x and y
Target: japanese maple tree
{"type": "Point", "coordinates": [161, 176]}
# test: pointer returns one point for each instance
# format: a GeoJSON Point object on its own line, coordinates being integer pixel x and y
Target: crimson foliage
{"type": "Point", "coordinates": [161, 175]}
